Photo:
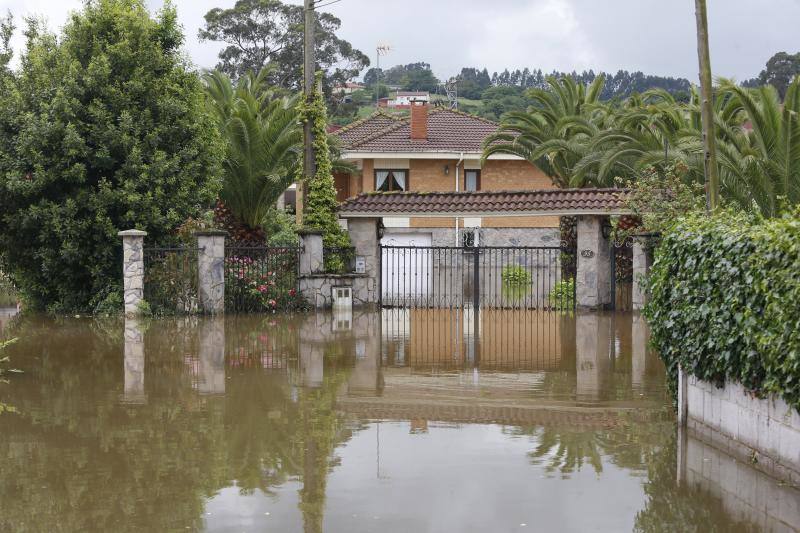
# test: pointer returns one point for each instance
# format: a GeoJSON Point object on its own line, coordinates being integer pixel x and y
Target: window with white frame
{"type": "Point", "coordinates": [391, 180]}
{"type": "Point", "coordinates": [472, 180]}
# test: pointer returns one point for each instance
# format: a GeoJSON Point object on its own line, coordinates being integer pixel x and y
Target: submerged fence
{"type": "Point", "coordinates": [497, 277]}
{"type": "Point", "coordinates": [171, 279]}
{"type": "Point", "coordinates": [261, 278]}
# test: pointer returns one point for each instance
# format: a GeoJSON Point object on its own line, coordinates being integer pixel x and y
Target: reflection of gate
{"type": "Point", "coordinates": [496, 277]}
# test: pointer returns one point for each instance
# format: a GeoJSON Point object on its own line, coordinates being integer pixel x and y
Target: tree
{"type": "Point", "coordinates": [261, 33]}
{"type": "Point", "coordinates": [320, 205]}
{"type": "Point", "coordinates": [103, 129]}
{"type": "Point", "coordinates": [780, 70]}
{"type": "Point", "coordinates": [553, 134]}
{"type": "Point", "coordinates": [263, 143]}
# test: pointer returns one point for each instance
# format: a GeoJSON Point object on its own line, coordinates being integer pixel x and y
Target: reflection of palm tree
{"type": "Point", "coordinates": [566, 451]}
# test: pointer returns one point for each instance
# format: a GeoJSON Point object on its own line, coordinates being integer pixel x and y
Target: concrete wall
{"type": "Point", "coordinates": [746, 427]}
{"type": "Point", "coordinates": [512, 236]}
{"type": "Point", "coordinates": [747, 494]}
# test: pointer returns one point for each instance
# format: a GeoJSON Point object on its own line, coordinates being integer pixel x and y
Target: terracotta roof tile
{"type": "Point", "coordinates": [509, 202]}
{"type": "Point", "coordinates": [448, 131]}
{"type": "Point", "coordinates": [366, 127]}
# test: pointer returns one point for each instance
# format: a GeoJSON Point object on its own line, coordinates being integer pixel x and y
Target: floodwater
{"type": "Point", "coordinates": [419, 420]}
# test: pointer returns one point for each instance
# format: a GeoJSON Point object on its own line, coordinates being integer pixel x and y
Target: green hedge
{"type": "Point", "coordinates": [725, 302]}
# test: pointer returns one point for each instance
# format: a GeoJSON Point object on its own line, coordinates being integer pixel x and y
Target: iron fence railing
{"type": "Point", "coordinates": [339, 260]}
{"type": "Point", "coordinates": [170, 279]}
{"type": "Point", "coordinates": [499, 277]}
{"type": "Point", "coordinates": [622, 274]}
{"type": "Point", "coordinates": [261, 278]}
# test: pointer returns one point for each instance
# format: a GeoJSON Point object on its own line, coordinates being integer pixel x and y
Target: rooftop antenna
{"type": "Point", "coordinates": [380, 50]}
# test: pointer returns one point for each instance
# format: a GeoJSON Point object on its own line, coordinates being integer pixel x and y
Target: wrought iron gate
{"type": "Point", "coordinates": [533, 277]}
{"type": "Point", "coordinates": [622, 275]}
{"type": "Point", "coordinates": [261, 278]}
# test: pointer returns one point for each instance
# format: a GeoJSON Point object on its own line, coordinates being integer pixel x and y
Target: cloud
{"type": "Point", "coordinates": [545, 34]}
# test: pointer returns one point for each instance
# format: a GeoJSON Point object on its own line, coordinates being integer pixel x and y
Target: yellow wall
{"type": "Point", "coordinates": [428, 175]}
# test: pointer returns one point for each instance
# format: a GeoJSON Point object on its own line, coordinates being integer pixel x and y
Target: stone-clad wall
{"type": "Point", "coordinates": [746, 426]}
{"type": "Point", "coordinates": [317, 289]}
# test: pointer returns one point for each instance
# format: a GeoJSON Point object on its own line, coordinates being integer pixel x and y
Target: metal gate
{"type": "Point", "coordinates": [261, 278]}
{"type": "Point", "coordinates": [622, 275]}
{"type": "Point", "coordinates": [532, 277]}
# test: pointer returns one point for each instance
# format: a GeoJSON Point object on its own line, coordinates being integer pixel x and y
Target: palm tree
{"type": "Point", "coordinates": [553, 134]}
{"type": "Point", "coordinates": [760, 163]}
{"type": "Point", "coordinates": [263, 143]}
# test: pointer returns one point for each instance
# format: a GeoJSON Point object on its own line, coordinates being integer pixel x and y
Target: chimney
{"type": "Point", "coordinates": [419, 121]}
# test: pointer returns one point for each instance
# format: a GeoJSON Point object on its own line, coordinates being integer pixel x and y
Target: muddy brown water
{"type": "Point", "coordinates": [421, 420]}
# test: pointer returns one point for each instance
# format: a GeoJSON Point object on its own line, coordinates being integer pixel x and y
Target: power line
{"type": "Point", "coordinates": [327, 3]}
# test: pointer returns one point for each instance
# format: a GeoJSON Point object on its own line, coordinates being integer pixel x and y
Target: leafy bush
{"type": "Point", "coordinates": [249, 287]}
{"type": "Point", "coordinates": [725, 301]}
{"type": "Point", "coordinates": [515, 276]}
{"type": "Point", "coordinates": [562, 295]}
{"type": "Point", "coordinates": [103, 128]}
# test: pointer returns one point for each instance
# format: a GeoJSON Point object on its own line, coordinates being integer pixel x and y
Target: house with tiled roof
{"type": "Point", "coordinates": [439, 150]}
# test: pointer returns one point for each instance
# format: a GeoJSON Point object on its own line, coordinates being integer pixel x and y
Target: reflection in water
{"type": "Point", "coordinates": [424, 420]}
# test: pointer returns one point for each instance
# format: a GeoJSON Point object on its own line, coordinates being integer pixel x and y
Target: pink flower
{"type": "Point", "coordinates": [263, 288]}
{"type": "Point", "coordinates": [292, 292]}
{"type": "Point", "coordinates": [273, 303]}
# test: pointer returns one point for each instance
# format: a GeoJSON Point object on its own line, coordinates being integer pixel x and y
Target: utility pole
{"type": "Point", "coordinates": [309, 75]}
{"type": "Point", "coordinates": [706, 107]}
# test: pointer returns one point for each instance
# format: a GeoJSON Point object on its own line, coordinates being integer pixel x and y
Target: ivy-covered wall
{"type": "Point", "coordinates": [725, 301]}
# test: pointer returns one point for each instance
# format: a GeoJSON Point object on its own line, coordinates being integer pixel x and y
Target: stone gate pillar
{"type": "Point", "coordinates": [211, 271]}
{"type": "Point", "coordinates": [593, 283]}
{"type": "Point", "coordinates": [132, 269]}
{"type": "Point", "coordinates": [311, 259]}
{"type": "Point", "coordinates": [364, 237]}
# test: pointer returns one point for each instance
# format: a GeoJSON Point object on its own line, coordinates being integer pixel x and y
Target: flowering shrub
{"type": "Point", "coordinates": [251, 287]}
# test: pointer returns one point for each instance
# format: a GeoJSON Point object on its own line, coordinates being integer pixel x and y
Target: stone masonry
{"type": "Point", "coordinates": [593, 283]}
{"type": "Point", "coordinates": [133, 269]}
{"type": "Point", "coordinates": [211, 271]}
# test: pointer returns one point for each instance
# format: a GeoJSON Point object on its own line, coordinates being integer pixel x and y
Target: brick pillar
{"type": "Point", "coordinates": [133, 391]}
{"type": "Point", "coordinates": [364, 237]}
{"type": "Point", "coordinates": [211, 367]}
{"type": "Point", "coordinates": [642, 261]}
{"type": "Point", "coordinates": [132, 269]}
{"type": "Point", "coordinates": [311, 260]}
{"type": "Point", "coordinates": [211, 271]}
{"type": "Point", "coordinates": [593, 283]}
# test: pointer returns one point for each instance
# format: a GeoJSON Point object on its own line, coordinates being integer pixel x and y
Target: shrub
{"type": "Point", "coordinates": [515, 276]}
{"type": "Point", "coordinates": [562, 295]}
{"type": "Point", "coordinates": [725, 301]}
{"type": "Point", "coordinates": [102, 129]}
{"type": "Point", "coordinates": [250, 287]}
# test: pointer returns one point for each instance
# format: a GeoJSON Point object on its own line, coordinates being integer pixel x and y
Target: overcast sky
{"type": "Point", "coordinates": [654, 36]}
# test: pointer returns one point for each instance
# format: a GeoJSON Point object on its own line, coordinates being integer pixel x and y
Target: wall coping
{"type": "Point", "coordinates": [309, 231]}
{"type": "Point", "coordinates": [211, 233]}
{"type": "Point", "coordinates": [323, 275]}
{"type": "Point", "coordinates": [132, 233]}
